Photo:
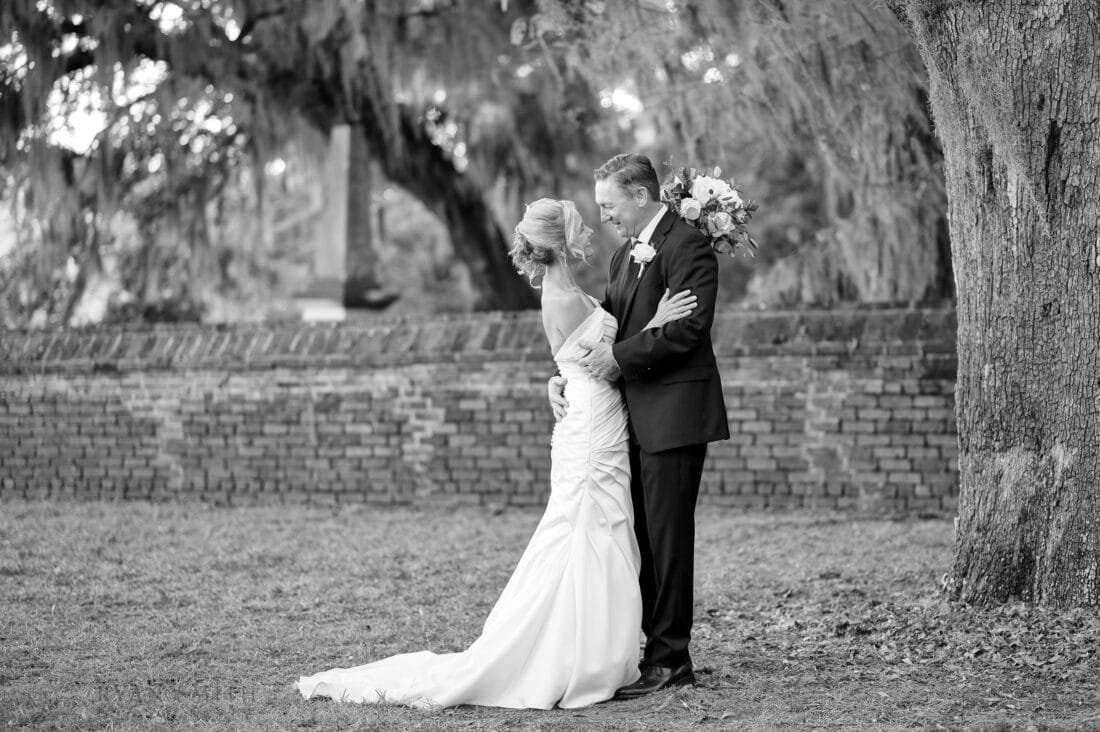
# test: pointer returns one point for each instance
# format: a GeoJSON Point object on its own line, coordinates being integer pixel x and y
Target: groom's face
{"type": "Point", "coordinates": [618, 207]}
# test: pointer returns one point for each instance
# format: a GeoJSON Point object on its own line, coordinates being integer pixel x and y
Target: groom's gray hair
{"type": "Point", "coordinates": [630, 170]}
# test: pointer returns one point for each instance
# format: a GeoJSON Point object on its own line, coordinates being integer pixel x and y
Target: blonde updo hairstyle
{"type": "Point", "coordinates": [550, 231]}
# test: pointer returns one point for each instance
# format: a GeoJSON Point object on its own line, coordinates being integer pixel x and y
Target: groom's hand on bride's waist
{"type": "Point", "coordinates": [555, 389]}
{"type": "Point", "coordinates": [599, 362]}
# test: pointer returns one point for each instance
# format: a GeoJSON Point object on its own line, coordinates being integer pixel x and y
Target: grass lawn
{"type": "Point", "coordinates": [140, 616]}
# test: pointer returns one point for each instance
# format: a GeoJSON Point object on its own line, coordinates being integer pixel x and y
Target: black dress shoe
{"type": "Point", "coordinates": [655, 678]}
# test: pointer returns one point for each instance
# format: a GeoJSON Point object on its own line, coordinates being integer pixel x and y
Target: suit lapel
{"type": "Point", "coordinates": [663, 227]}
{"type": "Point", "coordinates": [655, 241]}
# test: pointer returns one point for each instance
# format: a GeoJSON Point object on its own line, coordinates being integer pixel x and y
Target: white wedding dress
{"type": "Point", "coordinates": [565, 630]}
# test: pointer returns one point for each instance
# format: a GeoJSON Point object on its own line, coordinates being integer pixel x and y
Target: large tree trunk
{"type": "Point", "coordinates": [1017, 104]}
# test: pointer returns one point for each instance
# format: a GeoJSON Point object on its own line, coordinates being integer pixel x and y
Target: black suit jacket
{"type": "Point", "coordinates": [670, 377]}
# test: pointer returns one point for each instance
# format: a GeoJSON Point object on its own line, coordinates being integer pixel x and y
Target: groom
{"type": "Point", "coordinates": [673, 397]}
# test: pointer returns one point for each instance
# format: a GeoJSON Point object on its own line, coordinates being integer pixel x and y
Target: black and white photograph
{"type": "Point", "coordinates": [550, 365]}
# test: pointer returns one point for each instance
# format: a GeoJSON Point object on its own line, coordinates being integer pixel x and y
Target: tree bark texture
{"type": "Point", "coordinates": [1015, 91]}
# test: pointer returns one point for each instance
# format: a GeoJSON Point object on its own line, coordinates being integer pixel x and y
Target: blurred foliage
{"type": "Point", "coordinates": [818, 107]}
{"type": "Point", "coordinates": [193, 99]}
{"type": "Point", "coordinates": [201, 130]}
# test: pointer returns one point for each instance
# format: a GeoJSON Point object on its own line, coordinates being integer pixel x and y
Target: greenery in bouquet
{"type": "Point", "coordinates": [702, 198]}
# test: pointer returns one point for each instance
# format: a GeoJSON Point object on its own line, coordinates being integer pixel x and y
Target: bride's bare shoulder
{"type": "Point", "coordinates": [566, 305]}
{"type": "Point", "coordinates": [562, 312]}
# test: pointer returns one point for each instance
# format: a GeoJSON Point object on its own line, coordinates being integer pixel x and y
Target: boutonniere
{"type": "Point", "coordinates": [643, 254]}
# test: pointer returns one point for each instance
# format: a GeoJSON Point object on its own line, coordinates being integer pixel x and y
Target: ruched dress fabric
{"type": "Point", "coordinates": [565, 630]}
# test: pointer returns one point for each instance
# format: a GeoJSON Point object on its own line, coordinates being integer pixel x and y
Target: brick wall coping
{"type": "Point", "coordinates": [453, 337]}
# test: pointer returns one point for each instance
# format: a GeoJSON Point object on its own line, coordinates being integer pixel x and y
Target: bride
{"type": "Point", "coordinates": [565, 630]}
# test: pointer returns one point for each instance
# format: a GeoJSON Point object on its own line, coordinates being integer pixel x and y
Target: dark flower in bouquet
{"type": "Point", "coordinates": [712, 205]}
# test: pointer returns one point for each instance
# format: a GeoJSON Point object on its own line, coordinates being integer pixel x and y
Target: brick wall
{"type": "Point", "coordinates": [833, 409]}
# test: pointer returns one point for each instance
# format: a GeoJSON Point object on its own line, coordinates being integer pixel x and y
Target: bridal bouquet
{"type": "Point", "coordinates": [712, 205]}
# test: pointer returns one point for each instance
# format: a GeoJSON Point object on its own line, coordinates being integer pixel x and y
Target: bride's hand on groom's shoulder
{"type": "Point", "coordinates": [672, 308]}
{"type": "Point", "coordinates": [555, 389]}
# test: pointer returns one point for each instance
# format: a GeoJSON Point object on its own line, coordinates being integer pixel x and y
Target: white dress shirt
{"type": "Point", "coordinates": [647, 232]}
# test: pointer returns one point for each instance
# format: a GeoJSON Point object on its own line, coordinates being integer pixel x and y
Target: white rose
{"type": "Point", "coordinates": [642, 253]}
{"type": "Point", "coordinates": [731, 198]}
{"type": "Point", "coordinates": [690, 209]}
{"type": "Point", "coordinates": [705, 189]}
{"type": "Point", "coordinates": [723, 222]}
